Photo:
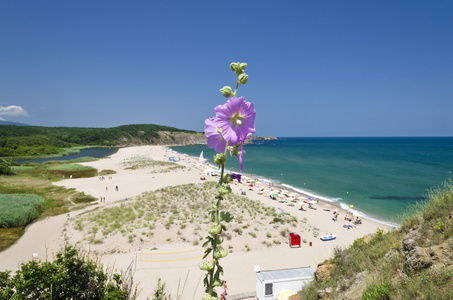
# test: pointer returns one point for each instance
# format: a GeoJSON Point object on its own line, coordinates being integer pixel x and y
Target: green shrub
{"type": "Point", "coordinates": [19, 209]}
{"type": "Point", "coordinates": [69, 276]}
{"type": "Point", "coordinates": [377, 291]}
{"type": "Point", "coordinates": [5, 166]}
{"type": "Point", "coordinates": [160, 292]}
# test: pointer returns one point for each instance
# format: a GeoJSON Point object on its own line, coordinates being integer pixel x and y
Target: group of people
{"type": "Point", "coordinates": [335, 215]}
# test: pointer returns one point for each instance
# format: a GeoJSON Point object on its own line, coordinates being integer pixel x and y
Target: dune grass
{"type": "Point", "coordinates": [141, 162]}
{"type": "Point", "coordinates": [175, 208]}
{"type": "Point", "coordinates": [19, 209]}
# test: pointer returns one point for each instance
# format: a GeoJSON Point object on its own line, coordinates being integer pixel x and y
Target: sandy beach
{"type": "Point", "coordinates": [168, 245]}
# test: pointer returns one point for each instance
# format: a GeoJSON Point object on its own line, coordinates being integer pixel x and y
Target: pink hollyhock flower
{"type": "Point", "coordinates": [214, 135]}
{"type": "Point", "coordinates": [236, 119]}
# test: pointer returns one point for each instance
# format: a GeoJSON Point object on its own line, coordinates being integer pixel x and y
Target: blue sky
{"type": "Point", "coordinates": [316, 68]}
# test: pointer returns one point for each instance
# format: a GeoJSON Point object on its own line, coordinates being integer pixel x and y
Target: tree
{"type": "Point", "coordinates": [70, 276]}
{"type": "Point", "coordinates": [5, 166]}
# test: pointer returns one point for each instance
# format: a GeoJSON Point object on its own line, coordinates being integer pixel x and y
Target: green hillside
{"type": "Point", "coordinates": [37, 140]}
{"type": "Point", "coordinates": [414, 262]}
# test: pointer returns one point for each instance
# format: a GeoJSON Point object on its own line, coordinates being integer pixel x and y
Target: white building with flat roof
{"type": "Point", "coordinates": [270, 283]}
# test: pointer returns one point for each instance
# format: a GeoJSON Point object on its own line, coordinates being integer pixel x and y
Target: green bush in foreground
{"type": "Point", "coordinates": [70, 276]}
{"type": "Point", "coordinates": [19, 209]}
{"type": "Point", "coordinates": [5, 166]}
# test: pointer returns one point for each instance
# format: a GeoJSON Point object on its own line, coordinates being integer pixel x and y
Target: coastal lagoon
{"type": "Point", "coordinates": [380, 177]}
{"type": "Point", "coordinates": [88, 152]}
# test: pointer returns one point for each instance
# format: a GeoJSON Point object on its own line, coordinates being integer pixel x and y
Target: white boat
{"type": "Point", "coordinates": [328, 237]}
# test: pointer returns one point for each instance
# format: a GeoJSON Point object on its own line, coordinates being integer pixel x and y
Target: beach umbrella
{"type": "Point", "coordinates": [275, 195]}
{"type": "Point", "coordinates": [357, 215]}
{"type": "Point", "coordinates": [251, 185]}
{"type": "Point", "coordinates": [312, 202]}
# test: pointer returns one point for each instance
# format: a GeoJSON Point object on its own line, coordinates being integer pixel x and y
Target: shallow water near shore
{"type": "Point", "coordinates": [380, 177]}
{"type": "Point", "coordinates": [89, 152]}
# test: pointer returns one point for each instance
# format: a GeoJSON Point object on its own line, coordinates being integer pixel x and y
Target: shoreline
{"type": "Point", "coordinates": [48, 236]}
{"type": "Point", "coordinates": [284, 186]}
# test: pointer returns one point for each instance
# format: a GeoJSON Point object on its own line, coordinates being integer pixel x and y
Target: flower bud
{"type": "Point", "coordinates": [227, 178]}
{"type": "Point", "coordinates": [226, 91]}
{"type": "Point", "coordinates": [235, 149]}
{"type": "Point", "coordinates": [234, 66]}
{"type": "Point", "coordinates": [243, 78]}
{"type": "Point", "coordinates": [242, 66]}
{"type": "Point", "coordinates": [215, 229]}
{"type": "Point", "coordinates": [217, 283]}
{"type": "Point", "coordinates": [224, 189]}
{"type": "Point", "coordinates": [221, 254]}
{"type": "Point", "coordinates": [206, 266]}
{"type": "Point", "coordinates": [220, 159]}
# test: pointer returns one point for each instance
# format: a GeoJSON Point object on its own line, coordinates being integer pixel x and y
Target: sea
{"type": "Point", "coordinates": [379, 177]}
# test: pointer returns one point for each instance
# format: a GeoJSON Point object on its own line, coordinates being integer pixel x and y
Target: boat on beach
{"type": "Point", "coordinates": [328, 237]}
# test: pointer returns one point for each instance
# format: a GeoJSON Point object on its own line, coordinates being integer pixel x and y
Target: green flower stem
{"type": "Point", "coordinates": [237, 86]}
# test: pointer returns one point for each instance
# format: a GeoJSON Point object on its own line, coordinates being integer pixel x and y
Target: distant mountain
{"type": "Point", "coordinates": [12, 123]}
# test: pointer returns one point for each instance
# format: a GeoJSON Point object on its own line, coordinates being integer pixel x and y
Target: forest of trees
{"type": "Point", "coordinates": [37, 140]}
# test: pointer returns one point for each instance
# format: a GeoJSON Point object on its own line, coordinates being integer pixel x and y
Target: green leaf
{"type": "Point", "coordinates": [226, 216]}
{"type": "Point", "coordinates": [206, 253]}
{"type": "Point", "coordinates": [209, 240]}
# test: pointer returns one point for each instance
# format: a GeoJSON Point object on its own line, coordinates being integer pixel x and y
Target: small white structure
{"type": "Point", "coordinates": [210, 172]}
{"type": "Point", "coordinates": [270, 283]}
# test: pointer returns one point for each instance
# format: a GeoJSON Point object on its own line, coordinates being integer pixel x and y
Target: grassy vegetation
{"type": "Point", "coordinates": [37, 179]}
{"type": "Point", "coordinates": [141, 162]}
{"type": "Point", "coordinates": [380, 261]}
{"type": "Point", "coordinates": [175, 208]}
{"type": "Point", "coordinates": [19, 209]}
{"type": "Point", "coordinates": [106, 172]}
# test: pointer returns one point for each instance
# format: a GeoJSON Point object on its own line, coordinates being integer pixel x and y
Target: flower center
{"type": "Point", "coordinates": [236, 119]}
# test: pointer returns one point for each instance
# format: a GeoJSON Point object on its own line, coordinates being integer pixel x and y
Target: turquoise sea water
{"type": "Point", "coordinates": [380, 177]}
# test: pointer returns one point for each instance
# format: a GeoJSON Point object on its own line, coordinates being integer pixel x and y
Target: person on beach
{"type": "Point", "coordinates": [225, 288]}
